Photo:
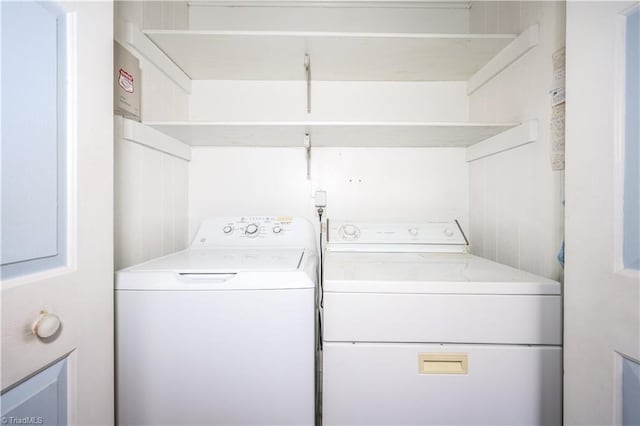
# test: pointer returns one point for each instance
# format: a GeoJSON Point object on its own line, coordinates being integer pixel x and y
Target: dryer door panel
{"type": "Point", "coordinates": [421, 384]}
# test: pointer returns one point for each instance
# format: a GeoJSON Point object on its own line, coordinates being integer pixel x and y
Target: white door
{"type": "Point", "coordinates": [602, 281]}
{"type": "Point", "coordinates": [57, 211]}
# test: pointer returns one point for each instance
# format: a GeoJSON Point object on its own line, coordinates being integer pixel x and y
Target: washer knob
{"type": "Point", "coordinates": [227, 229]}
{"type": "Point", "coordinates": [277, 229]}
{"type": "Point", "coordinates": [413, 231]}
{"type": "Point", "coordinates": [251, 229]}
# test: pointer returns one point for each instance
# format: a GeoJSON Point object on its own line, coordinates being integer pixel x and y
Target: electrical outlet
{"type": "Point", "coordinates": [320, 198]}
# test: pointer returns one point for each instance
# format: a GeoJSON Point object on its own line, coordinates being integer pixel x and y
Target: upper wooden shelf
{"type": "Point", "coordinates": [335, 56]}
{"type": "Point", "coordinates": [338, 134]}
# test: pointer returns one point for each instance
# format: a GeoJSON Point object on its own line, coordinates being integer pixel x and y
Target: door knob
{"type": "Point", "coordinates": [46, 325]}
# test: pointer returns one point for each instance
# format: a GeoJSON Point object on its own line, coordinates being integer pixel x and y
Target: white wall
{"type": "Point", "coordinates": [150, 201]}
{"type": "Point", "coordinates": [362, 183]}
{"type": "Point", "coordinates": [515, 199]}
{"type": "Point", "coordinates": [377, 184]}
{"type": "Point", "coordinates": [330, 100]}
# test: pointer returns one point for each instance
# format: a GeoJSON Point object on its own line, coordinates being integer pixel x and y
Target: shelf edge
{"type": "Point", "coordinates": [142, 134]}
{"type": "Point", "coordinates": [524, 134]}
{"type": "Point", "coordinates": [336, 34]}
{"type": "Point", "coordinates": [330, 123]}
{"type": "Point", "coordinates": [511, 53]}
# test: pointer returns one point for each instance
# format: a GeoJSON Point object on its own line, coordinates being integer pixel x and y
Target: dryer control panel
{"type": "Point", "coordinates": [445, 236]}
{"type": "Point", "coordinates": [255, 231]}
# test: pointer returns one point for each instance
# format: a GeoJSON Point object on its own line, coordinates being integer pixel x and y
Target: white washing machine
{"type": "Point", "coordinates": [221, 333]}
{"type": "Point", "coordinates": [419, 332]}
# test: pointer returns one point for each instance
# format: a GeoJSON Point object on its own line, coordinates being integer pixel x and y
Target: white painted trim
{"type": "Point", "coordinates": [619, 83]}
{"type": "Point", "coordinates": [72, 392]}
{"type": "Point", "coordinates": [36, 276]}
{"type": "Point", "coordinates": [618, 360]}
{"type": "Point", "coordinates": [512, 52]}
{"type": "Point", "coordinates": [333, 4]}
{"type": "Point", "coordinates": [518, 136]}
{"type": "Point", "coordinates": [71, 49]}
{"type": "Point", "coordinates": [152, 138]}
{"type": "Point", "coordinates": [145, 47]}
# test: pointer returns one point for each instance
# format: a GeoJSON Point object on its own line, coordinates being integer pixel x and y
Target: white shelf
{"type": "Point", "coordinates": [279, 55]}
{"type": "Point", "coordinates": [515, 137]}
{"type": "Point", "coordinates": [325, 134]}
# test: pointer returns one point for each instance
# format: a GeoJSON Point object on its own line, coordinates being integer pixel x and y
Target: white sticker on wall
{"type": "Point", "coordinates": [558, 110]}
{"type": "Point", "coordinates": [557, 136]}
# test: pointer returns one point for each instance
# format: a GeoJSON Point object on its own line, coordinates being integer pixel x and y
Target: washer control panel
{"type": "Point", "coordinates": [257, 227]}
{"type": "Point", "coordinates": [396, 236]}
{"type": "Point", "coordinates": [253, 231]}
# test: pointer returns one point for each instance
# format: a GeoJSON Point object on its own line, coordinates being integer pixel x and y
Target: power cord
{"type": "Point", "coordinates": [320, 211]}
{"type": "Point", "coordinates": [319, 299]}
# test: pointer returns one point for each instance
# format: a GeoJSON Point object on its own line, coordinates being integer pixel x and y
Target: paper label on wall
{"type": "Point", "coordinates": [127, 83]}
{"type": "Point", "coordinates": [557, 136]}
{"type": "Point", "coordinates": [558, 110]}
{"type": "Point", "coordinates": [559, 74]}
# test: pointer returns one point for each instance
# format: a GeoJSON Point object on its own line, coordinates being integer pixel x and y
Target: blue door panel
{"type": "Point", "coordinates": [40, 400]}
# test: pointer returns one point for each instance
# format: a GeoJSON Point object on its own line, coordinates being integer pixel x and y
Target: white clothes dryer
{"type": "Point", "coordinates": [221, 333]}
{"type": "Point", "coordinates": [417, 331]}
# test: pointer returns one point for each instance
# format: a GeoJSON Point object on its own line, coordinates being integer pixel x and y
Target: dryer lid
{"type": "Point", "coordinates": [429, 273]}
{"type": "Point", "coordinates": [217, 261]}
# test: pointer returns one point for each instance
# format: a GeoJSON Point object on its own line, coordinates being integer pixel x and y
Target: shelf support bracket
{"type": "Point", "coordinates": [307, 68]}
{"type": "Point", "coordinates": [307, 147]}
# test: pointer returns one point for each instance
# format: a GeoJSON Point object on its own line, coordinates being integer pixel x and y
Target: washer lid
{"type": "Point", "coordinates": [203, 261]}
{"type": "Point", "coordinates": [429, 273]}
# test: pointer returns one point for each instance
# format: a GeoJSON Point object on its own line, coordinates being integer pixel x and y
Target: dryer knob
{"type": "Point", "coordinates": [448, 232]}
{"type": "Point", "coordinates": [413, 231]}
{"type": "Point", "coordinates": [251, 229]}
{"type": "Point", "coordinates": [350, 232]}
{"type": "Point", "coordinates": [227, 229]}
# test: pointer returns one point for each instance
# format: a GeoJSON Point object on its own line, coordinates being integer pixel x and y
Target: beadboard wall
{"type": "Point", "coordinates": [150, 201]}
{"type": "Point", "coordinates": [150, 186]}
{"type": "Point", "coordinates": [515, 204]}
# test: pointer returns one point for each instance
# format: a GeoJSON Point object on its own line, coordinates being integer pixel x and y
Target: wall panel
{"type": "Point", "coordinates": [517, 215]}
{"type": "Point", "coordinates": [376, 184]}
{"type": "Point", "coordinates": [150, 202]}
